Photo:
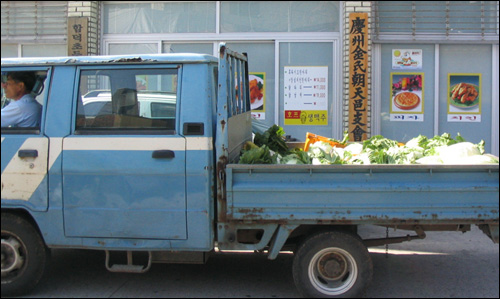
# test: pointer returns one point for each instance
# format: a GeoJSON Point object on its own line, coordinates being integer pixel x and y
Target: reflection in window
{"type": "Point", "coordinates": [127, 99]}
{"type": "Point", "coordinates": [159, 17]}
{"type": "Point", "coordinates": [279, 16]}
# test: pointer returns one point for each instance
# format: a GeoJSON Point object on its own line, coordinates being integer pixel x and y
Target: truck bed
{"type": "Point", "coordinates": [363, 194]}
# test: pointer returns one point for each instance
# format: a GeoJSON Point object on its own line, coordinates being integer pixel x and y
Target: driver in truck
{"type": "Point", "coordinates": [23, 110]}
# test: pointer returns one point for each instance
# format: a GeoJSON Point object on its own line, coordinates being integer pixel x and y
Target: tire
{"type": "Point", "coordinates": [332, 264]}
{"type": "Point", "coordinates": [24, 256]}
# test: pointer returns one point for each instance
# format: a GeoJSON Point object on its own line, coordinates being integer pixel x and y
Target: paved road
{"type": "Point", "coordinates": [444, 265]}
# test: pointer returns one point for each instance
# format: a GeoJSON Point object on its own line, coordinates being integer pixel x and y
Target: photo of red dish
{"type": "Point", "coordinates": [406, 100]}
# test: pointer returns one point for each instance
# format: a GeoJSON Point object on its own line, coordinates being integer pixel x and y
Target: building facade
{"type": "Point", "coordinates": [305, 56]}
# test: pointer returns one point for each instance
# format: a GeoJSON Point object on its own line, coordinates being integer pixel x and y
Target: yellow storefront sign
{"type": "Point", "coordinates": [306, 117]}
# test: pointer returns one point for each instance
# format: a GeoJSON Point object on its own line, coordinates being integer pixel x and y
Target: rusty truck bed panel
{"type": "Point", "coordinates": [363, 194]}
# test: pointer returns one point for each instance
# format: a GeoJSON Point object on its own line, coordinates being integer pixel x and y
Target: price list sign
{"type": "Point", "coordinates": [306, 95]}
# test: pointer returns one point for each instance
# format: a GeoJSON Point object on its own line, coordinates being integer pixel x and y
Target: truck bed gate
{"type": "Point", "coordinates": [233, 116]}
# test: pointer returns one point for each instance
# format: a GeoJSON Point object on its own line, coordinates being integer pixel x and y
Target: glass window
{"type": "Point", "coordinates": [132, 48]}
{"type": "Point", "coordinates": [261, 69]}
{"type": "Point", "coordinates": [442, 18]}
{"type": "Point", "coordinates": [9, 50]}
{"type": "Point", "coordinates": [279, 16]}
{"type": "Point", "coordinates": [20, 112]}
{"type": "Point", "coordinates": [200, 48]}
{"type": "Point", "coordinates": [404, 124]}
{"type": "Point", "coordinates": [136, 99]}
{"type": "Point", "coordinates": [44, 50]}
{"type": "Point", "coordinates": [159, 17]}
{"type": "Point", "coordinates": [456, 61]}
{"type": "Point", "coordinates": [318, 59]}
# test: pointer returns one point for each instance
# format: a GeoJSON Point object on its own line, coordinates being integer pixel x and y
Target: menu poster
{"type": "Point", "coordinates": [407, 59]}
{"type": "Point", "coordinates": [407, 97]}
{"type": "Point", "coordinates": [257, 82]}
{"type": "Point", "coordinates": [306, 95]}
{"type": "Point", "coordinates": [464, 97]}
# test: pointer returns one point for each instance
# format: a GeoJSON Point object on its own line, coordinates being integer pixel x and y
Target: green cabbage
{"type": "Point", "coordinates": [441, 149]}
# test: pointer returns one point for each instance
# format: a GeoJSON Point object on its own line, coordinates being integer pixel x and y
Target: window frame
{"type": "Point", "coordinates": [45, 95]}
{"type": "Point", "coordinates": [122, 130]}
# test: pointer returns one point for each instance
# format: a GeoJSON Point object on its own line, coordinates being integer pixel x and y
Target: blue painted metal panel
{"type": "Point", "coordinates": [124, 193]}
{"type": "Point", "coordinates": [364, 195]}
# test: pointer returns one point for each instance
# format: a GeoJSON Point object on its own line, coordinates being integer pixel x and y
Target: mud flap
{"type": "Point", "coordinates": [491, 230]}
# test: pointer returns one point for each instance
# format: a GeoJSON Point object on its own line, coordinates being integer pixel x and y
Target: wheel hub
{"type": "Point", "coordinates": [332, 266]}
{"type": "Point", "coordinates": [11, 257]}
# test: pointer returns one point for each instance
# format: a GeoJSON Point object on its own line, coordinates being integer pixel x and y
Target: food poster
{"type": "Point", "coordinates": [464, 97]}
{"type": "Point", "coordinates": [407, 97]}
{"type": "Point", "coordinates": [257, 82]}
{"type": "Point", "coordinates": [407, 59]}
{"type": "Point", "coordinates": [306, 95]}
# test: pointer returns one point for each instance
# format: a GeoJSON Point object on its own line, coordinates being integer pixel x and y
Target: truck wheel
{"type": "Point", "coordinates": [332, 264]}
{"type": "Point", "coordinates": [24, 256]}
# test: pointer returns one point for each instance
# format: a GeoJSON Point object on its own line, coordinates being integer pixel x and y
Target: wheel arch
{"type": "Point", "coordinates": [26, 215]}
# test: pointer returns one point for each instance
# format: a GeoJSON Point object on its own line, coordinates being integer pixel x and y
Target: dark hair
{"type": "Point", "coordinates": [28, 78]}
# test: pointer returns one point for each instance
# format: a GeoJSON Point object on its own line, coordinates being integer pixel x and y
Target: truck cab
{"type": "Point", "coordinates": [112, 167]}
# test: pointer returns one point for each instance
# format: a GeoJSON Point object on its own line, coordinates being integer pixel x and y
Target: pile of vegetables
{"type": "Point", "coordinates": [270, 148]}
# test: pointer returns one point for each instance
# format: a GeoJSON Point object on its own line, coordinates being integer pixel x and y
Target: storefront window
{"type": "Point", "coordinates": [200, 48]}
{"type": "Point", "coordinates": [279, 16]}
{"type": "Point", "coordinates": [9, 51]}
{"type": "Point", "coordinates": [457, 69]}
{"type": "Point", "coordinates": [422, 19]}
{"type": "Point", "coordinates": [472, 65]}
{"type": "Point", "coordinates": [132, 48]}
{"type": "Point", "coordinates": [261, 68]}
{"type": "Point", "coordinates": [264, 30]}
{"type": "Point", "coordinates": [403, 123]}
{"type": "Point", "coordinates": [308, 65]}
{"type": "Point", "coordinates": [44, 50]}
{"type": "Point", "coordinates": [159, 17]}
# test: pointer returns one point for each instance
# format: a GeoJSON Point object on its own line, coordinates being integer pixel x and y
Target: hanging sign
{"type": "Point", "coordinates": [306, 95]}
{"type": "Point", "coordinates": [358, 76]}
{"type": "Point", "coordinates": [77, 36]}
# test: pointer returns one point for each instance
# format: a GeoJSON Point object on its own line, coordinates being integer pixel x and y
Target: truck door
{"type": "Point", "coordinates": [124, 165]}
{"type": "Point", "coordinates": [25, 149]}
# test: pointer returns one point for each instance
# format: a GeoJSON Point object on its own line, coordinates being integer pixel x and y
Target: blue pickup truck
{"type": "Point", "coordinates": [137, 156]}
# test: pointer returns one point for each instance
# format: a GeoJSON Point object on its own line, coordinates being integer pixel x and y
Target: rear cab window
{"type": "Point", "coordinates": [125, 100]}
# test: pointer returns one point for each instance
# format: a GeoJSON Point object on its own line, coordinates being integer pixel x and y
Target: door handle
{"type": "Point", "coordinates": [163, 154]}
{"type": "Point", "coordinates": [27, 154]}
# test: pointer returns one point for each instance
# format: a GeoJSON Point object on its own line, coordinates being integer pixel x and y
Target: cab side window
{"type": "Point", "coordinates": [23, 97]}
{"type": "Point", "coordinates": [127, 100]}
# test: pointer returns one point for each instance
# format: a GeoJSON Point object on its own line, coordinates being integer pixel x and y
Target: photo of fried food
{"type": "Point", "coordinates": [464, 93]}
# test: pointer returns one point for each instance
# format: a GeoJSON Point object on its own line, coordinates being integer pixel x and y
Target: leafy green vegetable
{"type": "Point", "coordinates": [344, 140]}
{"type": "Point", "coordinates": [270, 148]}
{"type": "Point", "coordinates": [274, 139]}
{"type": "Point", "coordinates": [256, 155]}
